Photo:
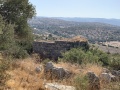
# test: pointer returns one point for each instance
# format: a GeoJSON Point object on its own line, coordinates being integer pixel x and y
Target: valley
{"type": "Point", "coordinates": [93, 31]}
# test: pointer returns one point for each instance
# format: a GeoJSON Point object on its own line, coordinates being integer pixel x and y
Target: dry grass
{"type": "Point", "coordinates": [24, 76]}
{"type": "Point", "coordinates": [74, 68]}
{"type": "Point", "coordinates": [78, 70]}
{"type": "Point", "coordinates": [97, 69]}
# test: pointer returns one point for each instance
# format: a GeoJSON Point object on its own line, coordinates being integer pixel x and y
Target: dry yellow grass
{"type": "Point", "coordinates": [24, 77]}
{"type": "Point", "coordinates": [74, 68]}
{"type": "Point", "coordinates": [97, 69]}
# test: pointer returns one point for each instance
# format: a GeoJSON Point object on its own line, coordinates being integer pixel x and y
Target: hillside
{"type": "Point", "coordinates": [94, 31]}
{"type": "Point", "coordinates": [101, 20]}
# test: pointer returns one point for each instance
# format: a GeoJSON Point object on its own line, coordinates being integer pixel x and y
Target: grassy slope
{"type": "Point", "coordinates": [24, 77]}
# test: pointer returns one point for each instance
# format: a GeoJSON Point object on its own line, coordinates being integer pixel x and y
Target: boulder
{"type": "Point", "coordinates": [105, 77]}
{"type": "Point", "coordinates": [58, 72]}
{"type": "Point", "coordinates": [38, 69]}
{"type": "Point", "coordinates": [116, 74]}
{"type": "Point", "coordinates": [94, 82]}
{"type": "Point", "coordinates": [113, 78]}
{"type": "Point", "coordinates": [108, 77]}
{"type": "Point", "coordinates": [55, 86]}
{"type": "Point", "coordinates": [49, 66]}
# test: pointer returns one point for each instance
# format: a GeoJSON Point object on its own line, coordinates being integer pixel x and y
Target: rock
{"type": "Point", "coordinates": [49, 66]}
{"type": "Point", "coordinates": [94, 82]}
{"type": "Point", "coordinates": [108, 77]}
{"type": "Point", "coordinates": [55, 86]}
{"type": "Point", "coordinates": [105, 77]}
{"type": "Point", "coordinates": [67, 73]}
{"type": "Point", "coordinates": [116, 74]}
{"type": "Point", "coordinates": [105, 70]}
{"type": "Point", "coordinates": [38, 69]}
{"type": "Point", "coordinates": [119, 74]}
{"type": "Point", "coordinates": [56, 72]}
{"type": "Point", "coordinates": [113, 78]}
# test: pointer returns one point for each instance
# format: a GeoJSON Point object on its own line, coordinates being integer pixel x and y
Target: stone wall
{"type": "Point", "coordinates": [53, 50]}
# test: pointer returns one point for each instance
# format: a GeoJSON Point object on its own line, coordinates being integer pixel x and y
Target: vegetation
{"type": "Point", "coordinates": [81, 82]}
{"type": "Point", "coordinates": [80, 56]}
{"type": "Point", "coordinates": [115, 62]}
{"type": "Point", "coordinates": [16, 42]}
{"type": "Point", "coordinates": [16, 36]}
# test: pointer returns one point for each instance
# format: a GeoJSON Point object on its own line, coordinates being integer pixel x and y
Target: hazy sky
{"type": "Point", "coordinates": [78, 8]}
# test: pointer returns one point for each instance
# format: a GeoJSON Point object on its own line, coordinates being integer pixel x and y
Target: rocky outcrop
{"type": "Point", "coordinates": [55, 86]}
{"type": "Point", "coordinates": [56, 72]}
{"type": "Point", "coordinates": [94, 82]}
{"type": "Point", "coordinates": [105, 77]}
{"type": "Point", "coordinates": [110, 75]}
{"type": "Point", "coordinates": [49, 66]}
{"type": "Point", "coordinates": [116, 74]}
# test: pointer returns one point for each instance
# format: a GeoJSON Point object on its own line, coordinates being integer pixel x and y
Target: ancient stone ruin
{"type": "Point", "coordinates": [53, 50]}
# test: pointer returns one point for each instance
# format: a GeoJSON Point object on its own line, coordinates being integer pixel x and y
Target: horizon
{"type": "Point", "coordinates": [108, 9]}
{"type": "Point", "coordinates": [78, 17]}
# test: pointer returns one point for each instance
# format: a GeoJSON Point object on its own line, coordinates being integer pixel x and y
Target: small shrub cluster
{"type": "Point", "coordinates": [80, 56]}
{"type": "Point", "coordinates": [81, 82]}
{"type": "Point", "coordinates": [92, 55]}
{"type": "Point", "coordinates": [115, 62]}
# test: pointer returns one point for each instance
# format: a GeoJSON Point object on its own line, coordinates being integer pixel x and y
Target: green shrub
{"type": "Point", "coordinates": [115, 62]}
{"type": "Point", "coordinates": [74, 56]}
{"type": "Point", "coordinates": [16, 52]}
{"type": "Point", "coordinates": [78, 55]}
{"type": "Point", "coordinates": [81, 82]}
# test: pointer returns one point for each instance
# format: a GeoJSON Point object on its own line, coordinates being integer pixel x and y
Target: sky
{"type": "Point", "coordinates": [78, 8]}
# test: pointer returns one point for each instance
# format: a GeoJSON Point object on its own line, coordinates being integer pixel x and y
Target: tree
{"type": "Point", "coordinates": [18, 12]}
{"type": "Point", "coordinates": [15, 14]}
{"type": "Point", "coordinates": [2, 25]}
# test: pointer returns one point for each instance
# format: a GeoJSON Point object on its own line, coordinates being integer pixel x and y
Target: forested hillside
{"type": "Point", "coordinates": [94, 31]}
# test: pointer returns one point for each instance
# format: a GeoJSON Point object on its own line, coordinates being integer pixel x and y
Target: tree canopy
{"type": "Point", "coordinates": [14, 28]}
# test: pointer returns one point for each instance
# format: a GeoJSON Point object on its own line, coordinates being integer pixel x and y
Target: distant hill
{"type": "Point", "coordinates": [101, 20]}
{"type": "Point", "coordinates": [94, 31]}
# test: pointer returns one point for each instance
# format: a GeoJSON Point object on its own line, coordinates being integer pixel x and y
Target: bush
{"type": "Point", "coordinates": [115, 62]}
{"type": "Point", "coordinates": [78, 55]}
{"type": "Point", "coordinates": [74, 56]}
{"type": "Point", "coordinates": [81, 82]}
{"type": "Point", "coordinates": [15, 52]}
